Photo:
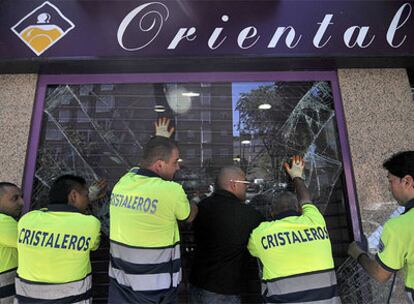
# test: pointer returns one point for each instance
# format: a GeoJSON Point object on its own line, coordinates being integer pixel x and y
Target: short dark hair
{"type": "Point", "coordinates": [284, 201]}
{"type": "Point", "coordinates": [400, 164]}
{"type": "Point", "coordinates": [5, 185]}
{"type": "Point", "coordinates": [62, 186]}
{"type": "Point", "coordinates": [157, 148]}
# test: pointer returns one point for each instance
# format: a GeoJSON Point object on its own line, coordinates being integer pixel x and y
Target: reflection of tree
{"type": "Point", "coordinates": [300, 121]}
{"type": "Point", "coordinates": [264, 124]}
{"type": "Point", "coordinates": [244, 162]}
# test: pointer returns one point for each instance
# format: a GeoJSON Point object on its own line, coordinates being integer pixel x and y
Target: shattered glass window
{"type": "Point", "coordinates": [99, 130]}
{"type": "Point", "coordinates": [277, 120]}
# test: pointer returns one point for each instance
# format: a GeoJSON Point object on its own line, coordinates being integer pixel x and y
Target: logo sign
{"type": "Point", "coordinates": [42, 27]}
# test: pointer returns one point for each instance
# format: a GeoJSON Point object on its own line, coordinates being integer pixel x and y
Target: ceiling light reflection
{"type": "Point", "coordinates": [159, 108]}
{"type": "Point", "coordinates": [190, 94]}
{"type": "Point", "coordinates": [265, 106]}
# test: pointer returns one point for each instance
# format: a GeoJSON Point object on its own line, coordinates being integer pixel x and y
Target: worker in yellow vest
{"type": "Point", "coordinates": [11, 204]}
{"type": "Point", "coordinates": [144, 237]}
{"type": "Point", "coordinates": [396, 248]}
{"type": "Point", "coordinates": [54, 245]}
{"type": "Point", "coordinates": [294, 248]}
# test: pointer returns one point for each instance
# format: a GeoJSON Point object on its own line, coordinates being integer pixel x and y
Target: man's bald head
{"type": "Point", "coordinates": [230, 178]}
{"type": "Point", "coordinates": [229, 173]}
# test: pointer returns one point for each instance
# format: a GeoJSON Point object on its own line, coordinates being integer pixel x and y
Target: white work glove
{"type": "Point", "coordinates": [162, 127]}
{"type": "Point", "coordinates": [97, 190]}
{"type": "Point", "coordinates": [296, 168]}
{"type": "Point", "coordinates": [355, 251]}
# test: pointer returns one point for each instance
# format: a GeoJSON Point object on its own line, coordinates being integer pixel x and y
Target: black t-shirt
{"type": "Point", "coordinates": [222, 229]}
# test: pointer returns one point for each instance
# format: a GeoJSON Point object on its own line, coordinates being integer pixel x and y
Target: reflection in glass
{"type": "Point", "coordinates": [99, 131]}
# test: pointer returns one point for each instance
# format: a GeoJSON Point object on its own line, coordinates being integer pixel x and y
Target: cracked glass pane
{"type": "Point", "coordinates": [98, 131]}
{"type": "Point", "coordinates": [300, 119]}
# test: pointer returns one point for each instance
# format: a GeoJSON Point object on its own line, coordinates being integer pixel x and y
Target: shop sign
{"type": "Point", "coordinates": [73, 29]}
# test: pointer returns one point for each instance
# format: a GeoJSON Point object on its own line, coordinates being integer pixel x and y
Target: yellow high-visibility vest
{"type": "Point", "coordinates": [397, 246]}
{"type": "Point", "coordinates": [296, 256]}
{"type": "Point", "coordinates": [144, 237]}
{"type": "Point", "coordinates": [54, 246]}
{"type": "Point", "coordinates": [144, 211]}
{"type": "Point", "coordinates": [8, 243]}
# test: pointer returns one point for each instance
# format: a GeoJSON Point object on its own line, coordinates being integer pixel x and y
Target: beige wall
{"type": "Point", "coordinates": [17, 94]}
{"type": "Point", "coordinates": [379, 111]}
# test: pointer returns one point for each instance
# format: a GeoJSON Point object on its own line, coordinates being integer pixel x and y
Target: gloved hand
{"type": "Point", "coordinates": [97, 190]}
{"type": "Point", "coordinates": [354, 250]}
{"type": "Point", "coordinates": [161, 127]}
{"type": "Point", "coordinates": [296, 168]}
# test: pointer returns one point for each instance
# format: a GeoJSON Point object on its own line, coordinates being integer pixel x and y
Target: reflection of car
{"type": "Point", "coordinates": [251, 191]}
{"type": "Point", "coordinates": [253, 188]}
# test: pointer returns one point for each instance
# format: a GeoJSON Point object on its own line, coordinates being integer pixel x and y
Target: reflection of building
{"type": "Point", "coordinates": [250, 155]}
{"type": "Point", "coordinates": [99, 130]}
{"type": "Point", "coordinates": [205, 131]}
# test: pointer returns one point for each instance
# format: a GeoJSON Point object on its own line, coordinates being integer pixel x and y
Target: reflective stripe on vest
{"type": "Point", "coordinates": [145, 269]}
{"type": "Point", "coordinates": [46, 291]}
{"type": "Point", "coordinates": [318, 287]}
{"type": "Point", "coordinates": [7, 290]}
{"type": "Point", "coordinates": [8, 300]}
{"type": "Point", "coordinates": [145, 255]}
{"type": "Point", "coordinates": [145, 282]}
{"type": "Point", "coordinates": [34, 301]}
{"type": "Point", "coordinates": [7, 277]}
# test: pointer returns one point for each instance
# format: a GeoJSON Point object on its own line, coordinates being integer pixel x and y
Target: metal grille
{"type": "Point", "coordinates": [357, 287]}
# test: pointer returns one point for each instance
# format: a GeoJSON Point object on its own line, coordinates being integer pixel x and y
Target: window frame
{"type": "Point", "coordinates": [77, 79]}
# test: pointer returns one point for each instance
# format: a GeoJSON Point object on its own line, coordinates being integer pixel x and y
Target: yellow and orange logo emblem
{"type": "Point", "coordinates": [42, 27]}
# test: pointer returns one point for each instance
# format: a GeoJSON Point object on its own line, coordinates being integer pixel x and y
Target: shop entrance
{"type": "Point", "coordinates": [96, 125]}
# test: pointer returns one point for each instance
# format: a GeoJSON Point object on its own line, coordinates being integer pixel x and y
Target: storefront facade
{"type": "Point", "coordinates": [245, 83]}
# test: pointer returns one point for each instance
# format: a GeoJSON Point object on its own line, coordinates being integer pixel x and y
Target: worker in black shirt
{"type": "Point", "coordinates": [222, 229]}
